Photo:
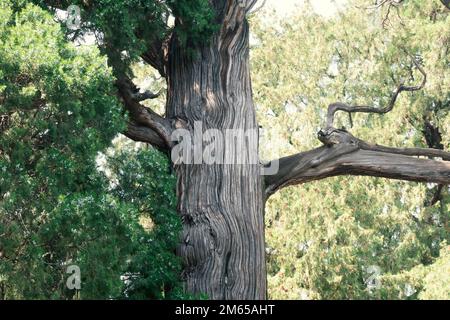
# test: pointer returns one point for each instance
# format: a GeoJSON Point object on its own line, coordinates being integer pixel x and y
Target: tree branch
{"type": "Point", "coordinates": [253, 10]}
{"type": "Point", "coordinates": [426, 152]}
{"type": "Point", "coordinates": [143, 117]}
{"type": "Point", "coordinates": [339, 160]}
{"type": "Point", "coordinates": [343, 154]}
{"type": "Point", "coordinates": [146, 95]}
{"type": "Point", "coordinates": [250, 5]}
{"type": "Point", "coordinates": [339, 106]}
{"type": "Point", "coordinates": [144, 134]}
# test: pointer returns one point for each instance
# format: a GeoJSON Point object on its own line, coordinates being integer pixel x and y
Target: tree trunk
{"type": "Point", "coordinates": [221, 205]}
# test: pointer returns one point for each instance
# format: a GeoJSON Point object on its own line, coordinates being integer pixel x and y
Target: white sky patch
{"type": "Point", "coordinates": [327, 8]}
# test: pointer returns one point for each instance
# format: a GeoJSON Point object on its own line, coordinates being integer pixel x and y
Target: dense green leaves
{"type": "Point", "coordinates": [142, 178]}
{"type": "Point", "coordinates": [195, 21]}
{"type": "Point", "coordinates": [57, 209]}
{"type": "Point", "coordinates": [127, 28]}
{"type": "Point", "coordinates": [63, 202]}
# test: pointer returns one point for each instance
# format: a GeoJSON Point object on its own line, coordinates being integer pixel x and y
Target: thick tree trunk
{"type": "Point", "coordinates": [221, 205]}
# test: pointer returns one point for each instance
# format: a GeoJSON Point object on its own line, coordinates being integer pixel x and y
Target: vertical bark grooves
{"type": "Point", "coordinates": [221, 205]}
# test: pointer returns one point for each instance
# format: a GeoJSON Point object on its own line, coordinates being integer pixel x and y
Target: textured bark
{"type": "Point", "coordinates": [222, 205]}
{"type": "Point", "coordinates": [297, 169]}
{"type": "Point", "coordinates": [222, 244]}
{"type": "Point", "coordinates": [343, 154]}
{"type": "Point", "coordinates": [145, 134]}
{"type": "Point", "coordinates": [143, 117]}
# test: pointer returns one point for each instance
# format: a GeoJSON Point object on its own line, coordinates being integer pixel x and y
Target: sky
{"type": "Point", "coordinates": [286, 7]}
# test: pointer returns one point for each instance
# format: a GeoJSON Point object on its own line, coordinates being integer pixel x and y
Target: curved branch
{"type": "Point", "coordinates": [339, 106]}
{"type": "Point", "coordinates": [146, 95]}
{"type": "Point", "coordinates": [144, 134]}
{"type": "Point", "coordinates": [333, 136]}
{"type": "Point", "coordinates": [251, 9]}
{"type": "Point", "coordinates": [141, 115]}
{"type": "Point", "coordinates": [425, 152]}
{"type": "Point", "coordinates": [298, 169]}
{"type": "Point", "coordinates": [343, 154]}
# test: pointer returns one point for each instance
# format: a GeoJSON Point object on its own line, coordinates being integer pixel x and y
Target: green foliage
{"type": "Point", "coordinates": [435, 284]}
{"type": "Point", "coordinates": [141, 178]}
{"type": "Point", "coordinates": [126, 28]}
{"type": "Point", "coordinates": [60, 205]}
{"type": "Point", "coordinates": [58, 111]}
{"type": "Point", "coordinates": [195, 21]}
{"type": "Point", "coordinates": [327, 239]}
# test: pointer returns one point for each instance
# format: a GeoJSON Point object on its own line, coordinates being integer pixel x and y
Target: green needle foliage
{"type": "Point", "coordinates": [343, 238]}
{"type": "Point", "coordinates": [58, 111]}
{"type": "Point", "coordinates": [141, 179]}
{"type": "Point", "coordinates": [355, 237]}
{"type": "Point", "coordinates": [126, 28]}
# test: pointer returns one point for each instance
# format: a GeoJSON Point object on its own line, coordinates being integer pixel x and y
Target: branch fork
{"type": "Point", "coordinates": [344, 154]}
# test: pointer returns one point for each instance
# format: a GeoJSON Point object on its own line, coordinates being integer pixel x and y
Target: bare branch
{"type": "Point", "coordinates": [253, 10]}
{"type": "Point", "coordinates": [436, 197]}
{"type": "Point", "coordinates": [344, 154]}
{"type": "Point", "coordinates": [146, 95]}
{"type": "Point", "coordinates": [144, 134]}
{"type": "Point", "coordinates": [339, 106]}
{"type": "Point", "coordinates": [136, 94]}
{"type": "Point", "coordinates": [333, 136]}
{"type": "Point", "coordinates": [298, 169]}
{"type": "Point", "coordinates": [142, 116]}
{"type": "Point", "coordinates": [425, 152]}
{"type": "Point", "coordinates": [390, 4]}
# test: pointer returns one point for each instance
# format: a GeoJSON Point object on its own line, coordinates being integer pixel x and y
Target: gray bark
{"type": "Point", "coordinates": [309, 166]}
{"type": "Point", "coordinates": [344, 154]}
{"type": "Point", "coordinates": [222, 206]}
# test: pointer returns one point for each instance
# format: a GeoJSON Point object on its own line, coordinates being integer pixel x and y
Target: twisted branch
{"type": "Point", "coordinates": [339, 106]}
{"type": "Point", "coordinates": [344, 154]}
{"type": "Point", "coordinates": [142, 117]}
